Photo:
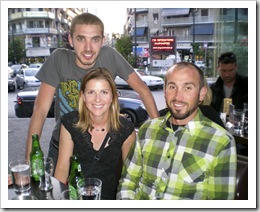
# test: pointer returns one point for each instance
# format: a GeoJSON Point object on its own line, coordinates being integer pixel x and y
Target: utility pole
{"type": "Point", "coordinates": [135, 40]}
{"type": "Point", "coordinates": [193, 43]}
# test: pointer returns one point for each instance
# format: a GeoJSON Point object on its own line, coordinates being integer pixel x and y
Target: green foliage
{"type": "Point", "coordinates": [16, 51]}
{"type": "Point", "coordinates": [124, 47]}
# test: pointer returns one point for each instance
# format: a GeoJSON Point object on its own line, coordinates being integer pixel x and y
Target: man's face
{"type": "Point", "coordinates": [227, 72]}
{"type": "Point", "coordinates": [87, 41]}
{"type": "Point", "coordinates": [183, 94]}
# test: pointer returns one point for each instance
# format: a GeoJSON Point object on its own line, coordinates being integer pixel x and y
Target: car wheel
{"type": "Point", "coordinates": [129, 115]}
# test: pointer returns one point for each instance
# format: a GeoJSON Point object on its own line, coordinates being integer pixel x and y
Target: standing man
{"type": "Point", "coordinates": [182, 155]}
{"type": "Point", "coordinates": [61, 74]}
{"type": "Point", "coordinates": [229, 83]}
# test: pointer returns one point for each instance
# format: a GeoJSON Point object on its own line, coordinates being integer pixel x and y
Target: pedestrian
{"type": "Point", "coordinates": [182, 155]}
{"type": "Point", "coordinates": [84, 131]}
{"type": "Point", "coordinates": [229, 84]}
{"type": "Point", "coordinates": [61, 73]}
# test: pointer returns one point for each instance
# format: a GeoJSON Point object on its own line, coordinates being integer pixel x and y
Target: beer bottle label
{"type": "Point", "coordinates": [73, 192]}
{"type": "Point", "coordinates": [79, 168]}
{"type": "Point", "coordinates": [37, 169]}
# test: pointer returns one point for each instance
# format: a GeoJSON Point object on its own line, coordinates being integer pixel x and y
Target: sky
{"type": "Point", "coordinates": [113, 20]}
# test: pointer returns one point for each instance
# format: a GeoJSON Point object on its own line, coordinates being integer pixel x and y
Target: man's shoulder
{"type": "Point", "coordinates": [62, 51]}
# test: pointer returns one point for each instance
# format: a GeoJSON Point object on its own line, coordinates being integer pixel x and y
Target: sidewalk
{"type": "Point", "coordinates": [17, 134]}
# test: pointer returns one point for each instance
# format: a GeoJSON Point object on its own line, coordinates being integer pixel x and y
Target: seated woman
{"type": "Point", "coordinates": [83, 131]}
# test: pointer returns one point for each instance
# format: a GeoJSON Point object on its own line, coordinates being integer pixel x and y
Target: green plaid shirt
{"type": "Point", "coordinates": [197, 161]}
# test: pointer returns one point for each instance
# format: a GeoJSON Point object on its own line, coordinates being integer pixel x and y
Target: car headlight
{"type": "Point", "coordinates": [142, 106]}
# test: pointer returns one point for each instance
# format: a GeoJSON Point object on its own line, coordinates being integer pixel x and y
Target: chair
{"type": "Point", "coordinates": [242, 178]}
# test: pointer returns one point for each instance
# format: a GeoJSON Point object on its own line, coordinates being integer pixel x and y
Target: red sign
{"type": "Point", "coordinates": [163, 45]}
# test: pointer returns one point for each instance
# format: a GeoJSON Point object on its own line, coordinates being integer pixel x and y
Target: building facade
{"type": "Point", "coordinates": [200, 33]}
{"type": "Point", "coordinates": [40, 29]}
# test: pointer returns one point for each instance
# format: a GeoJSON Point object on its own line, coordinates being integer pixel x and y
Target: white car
{"type": "Point", "coordinates": [200, 64]}
{"type": "Point", "coordinates": [152, 82]}
{"type": "Point", "coordinates": [10, 72]}
{"type": "Point", "coordinates": [26, 78]}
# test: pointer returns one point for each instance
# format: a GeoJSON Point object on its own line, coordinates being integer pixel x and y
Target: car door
{"type": "Point", "coordinates": [20, 78]}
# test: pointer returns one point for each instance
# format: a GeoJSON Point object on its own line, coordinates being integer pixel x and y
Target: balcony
{"type": "Point", "coordinates": [33, 31]}
{"type": "Point", "coordinates": [32, 14]}
{"type": "Point", "coordinates": [187, 21]}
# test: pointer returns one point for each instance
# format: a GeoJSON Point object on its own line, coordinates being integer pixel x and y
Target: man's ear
{"type": "Point", "coordinates": [70, 40]}
{"type": "Point", "coordinates": [203, 92]}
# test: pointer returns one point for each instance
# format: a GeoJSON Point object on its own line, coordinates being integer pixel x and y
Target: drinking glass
{"type": "Point", "coordinates": [238, 121]}
{"type": "Point", "coordinates": [65, 195]}
{"type": "Point", "coordinates": [89, 189]}
{"type": "Point", "coordinates": [45, 169]}
{"type": "Point", "coordinates": [21, 176]}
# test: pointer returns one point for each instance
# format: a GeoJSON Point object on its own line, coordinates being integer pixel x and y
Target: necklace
{"type": "Point", "coordinates": [96, 129]}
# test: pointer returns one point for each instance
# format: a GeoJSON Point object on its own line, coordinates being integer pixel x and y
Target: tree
{"type": "Point", "coordinates": [16, 51]}
{"type": "Point", "coordinates": [124, 47]}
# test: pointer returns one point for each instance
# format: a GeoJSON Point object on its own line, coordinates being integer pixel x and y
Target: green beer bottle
{"type": "Point", "coordinates": [36, 155]}
{"type": "Point", "coordinates": [74, 177]}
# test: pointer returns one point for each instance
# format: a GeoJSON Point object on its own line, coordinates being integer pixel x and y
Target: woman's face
{"type": "Point", "coordinates": [97, 97]}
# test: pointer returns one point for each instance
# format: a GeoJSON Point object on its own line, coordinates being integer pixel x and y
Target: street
{"type": "Point", "coordinates": [17, 127]}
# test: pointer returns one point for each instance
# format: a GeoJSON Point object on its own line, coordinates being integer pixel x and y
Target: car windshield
{"type": "Point", "coordinates": [31, 72]}
{"type": "Point", "coordinates": [16, 66]}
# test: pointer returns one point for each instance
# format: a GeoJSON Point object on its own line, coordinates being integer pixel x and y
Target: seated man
{"type": "Point", "coordinates": [182, 155]}
{"type": "Point", "coordinates": [229, 84]}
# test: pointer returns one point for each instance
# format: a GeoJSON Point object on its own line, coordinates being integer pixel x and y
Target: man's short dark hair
{"type": "Point", "coordinates": [227, 57]}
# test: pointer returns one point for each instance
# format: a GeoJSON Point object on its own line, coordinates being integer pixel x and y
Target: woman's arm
{"type": "Point", "coordinates": [65, 151]}
{"type": "Point", "coordinates": [127, 145]}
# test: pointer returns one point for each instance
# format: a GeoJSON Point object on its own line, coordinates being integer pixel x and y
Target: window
{"type": "Point", "coordinates": [204, 12]}
{"type": "Point", "coordinates": [36, 41]}
{"type": "Point", "coordinates": [30, 24]}
{"type": "Point", "coordinates": [155, 16]}
{"type": "Point", "coordinates": [40, 24]}
{"type": "Point", "coordinates": [225, 11]}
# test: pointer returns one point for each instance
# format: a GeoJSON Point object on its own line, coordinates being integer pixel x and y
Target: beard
{"type": "Point", "coordinates": [178, 114]}
{"type": "Point", "coordinates": [86, 62]}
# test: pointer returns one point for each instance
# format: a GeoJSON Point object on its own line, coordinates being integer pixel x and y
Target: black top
{"type": "Point", "coordinates": [239, 93]}
{"type": "Point", "coordinates": [106, 169]}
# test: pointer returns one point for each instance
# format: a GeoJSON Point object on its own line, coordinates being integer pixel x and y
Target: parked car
{"type": "Point", "coordinates": [200, 64]}
{"type": "Point", "coordinates": [152, 82]}
{"type": "Point", "coordinates": [10, 72]}
{"type": "Point", "coordinates": [26, 78]}
{"type": "Point", "coordinates": [11, 84]}
{"type": "Point", "coordinates": [211, 80]}
{"type": "Point", "coordinates": [35, 65]}
{"type": "Point", "coordinates": [132, 108]}
{"type": "Point", "coordinates": [17, 67]}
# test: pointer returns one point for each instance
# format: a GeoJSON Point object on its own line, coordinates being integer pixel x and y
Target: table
{"type": "Point", "coordinates": [54, 194]}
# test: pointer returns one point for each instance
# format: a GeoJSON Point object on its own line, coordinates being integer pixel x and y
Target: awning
{"type": "Point", "coordinates": [139, 31]}
{"type": "Point", "coordinates": [175, 11]}
{"type": "Point", "coordinates": [203, 29]}
{"type": "Point", "coordinates": [154, 30]}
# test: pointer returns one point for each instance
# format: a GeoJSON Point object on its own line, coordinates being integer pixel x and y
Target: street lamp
{"type": "Point", "coordinates": [135, 40]}
{"type": "Point", "coordinates": [193, 43]}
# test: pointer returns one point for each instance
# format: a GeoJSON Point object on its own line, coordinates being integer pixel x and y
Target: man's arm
{"type": "Point", "coordinates": [145, 94]}
{"type": "Point", "coordinates": [41, 108]}
{"type": "Point", "coordinates": [131, 174]}
{"type": "Point", "coordinates": [222, 178]}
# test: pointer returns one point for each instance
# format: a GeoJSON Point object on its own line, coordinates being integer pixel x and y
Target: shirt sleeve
{"type": "Point", "coordinates": [222, 179]}
{"type": "Point", "coordinates": [131, 174]}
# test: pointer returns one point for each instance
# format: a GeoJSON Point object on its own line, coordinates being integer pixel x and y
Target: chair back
{"type": "Point", "coordinates": [242, 178]}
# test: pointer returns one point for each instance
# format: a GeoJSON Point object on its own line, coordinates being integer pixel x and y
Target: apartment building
{"type": "Point", "coordinates": [208, 30]}
{"type": "Point", "coordinates": [41, 29]}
